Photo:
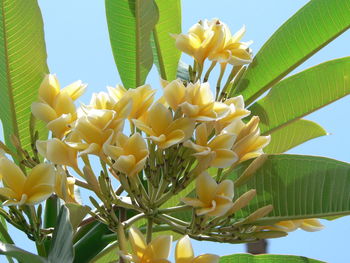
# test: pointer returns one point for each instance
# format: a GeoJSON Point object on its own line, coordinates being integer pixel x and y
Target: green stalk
{"type": "Point", "coordinates": [149, 230]}
{"type": "Point", "coordinates": [160, 58]}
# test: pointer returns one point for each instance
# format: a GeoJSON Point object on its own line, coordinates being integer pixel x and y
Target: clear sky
{"type": "Point", "coordinates": [78, 48]}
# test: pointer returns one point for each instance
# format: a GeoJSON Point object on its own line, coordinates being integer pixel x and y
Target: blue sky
{"type": "Point", "coordinates": [78, 48]}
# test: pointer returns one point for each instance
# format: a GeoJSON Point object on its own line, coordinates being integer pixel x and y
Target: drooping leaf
{"type": "Point", "coordinates": [303, 93]}
{"type": "Point", "coordinates": [62, 239]}
{"type": "Point", "coordinates": [298, 186]}
{"type": "Point", "coordinates": [183, 71]}
{"type": "Point", "coordinates": [247, 258]}
{"type": "Point", "coordinates": [20, 254]}
{"type": "Point", "coordinates": [91, 243]}
{"type": "Point", "coordinates": [52, 209]}
{"type": "Point", "coordinates": [165, 54]}
{"type": "Point", "coordinates": [22, 66]}
{"type": "Point", "coordinates": [306, 32]}
{"type": "Point", "coordinates": [293, 135]}
{"type": "Point", "coordinates": [130, 24]}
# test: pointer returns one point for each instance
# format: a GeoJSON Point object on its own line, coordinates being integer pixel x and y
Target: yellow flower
{"type": "Point", "coordinates": [58, 152]}
{"type": "Point", "coordinates": [184, 253]}
{"type": "Point", "coordinates": [220, 146]}
{"type": "Point", "coordinates": [94, 128]}
{"type": "Point", "coordinates": [56, 107]}
{"type": "Point", "coordinates": [163, 130]}
{"type": "Point", "coordinates": [196, 101]}
{"type": "Point", "coordinates": [116, 93]}
{"type": "Point", "coordinates": [174, 93]}
{"type": "Point", "coordinates": [130, 153]}
{"type": "Point", "coordinates": [64, 186]}
{"type": "Point", "coordinates": [233, 52]}
{"type": "Point", "coordinates": [101, 101]}
{"type": "Point", "coordinates": [142, 98]}
{"type": "Point", "coordinates": [19, 189]}
{"type": "Point", "coordinates": [237, 111]}
{"type": "Point", "coordinates": [213, 199]}
{"type": "Point", "coordinates": [310, 225]}
{"type": "Point", "coordinates": [249, 144]}
{"type": "Point", "coordinates": [203, 39]}
{"type": "Point", "coordinates": [157, 251]}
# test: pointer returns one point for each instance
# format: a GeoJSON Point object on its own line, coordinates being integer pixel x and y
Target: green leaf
{"type": "Point", "coordinates": [20, 254]}
{"type": "Point", "coordinates": [247, 258]}
{"type": "Point", "coordinates": [166, 55]}
{"type": "Point", "coordinates": [62, 239]}
{"type": "Point", "coordinates": [297, 186]}
{"type": "Point", "coordinates": [303, 93]}
{"type": "Point", "coordinates": [130, 24]}
{"type": "Point", "coordinates": [52, 209]}
{"type": "Point", "coordinates": [110, 254]}
{"type": "Point", "coordinates": [293, 135]}
{"type": "Point", "coordinates": [310, 29]}
{"type": "Point", "coordinates": [91, 243]}
{"type": "Point", "coordinates": [22, 66]}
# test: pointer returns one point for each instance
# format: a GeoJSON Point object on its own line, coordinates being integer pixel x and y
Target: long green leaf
{"type": "Point", "coordinates": [303, 93]}
{"type": "Point", "coordinates": [298, 187]}
{"type": "Point", "coordinates": [22, 66]}
{"type": "Point", "coordinates": [247, 258]}
{"type": "Point", "coordinates": [130, 24]}
{"type": "Point", "coordinates": [62, 239]}
{"type": "Point", "coordinates": [166, 55]}
{"type": "Point", "coordinates": [293, 135]}
{"type": "Point", "coordinates": [311, 28]}
{"type": "Point", "coordinates": [91, 243]}
{"type": "Point", "coordinates": [20, 254]}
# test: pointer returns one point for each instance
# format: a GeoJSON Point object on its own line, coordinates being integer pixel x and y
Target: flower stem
{"type": "Point", "coordinates": [206, 77]}
{"type": "Point", "coordinates": [149, 230]}
{"type": "Point", "coordinates": [218, 83]}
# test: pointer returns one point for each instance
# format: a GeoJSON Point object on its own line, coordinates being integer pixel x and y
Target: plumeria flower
{"type": "Point", "coordinates": [203, 39]}
{"type": "Point", "coordinates": [220, 147]}
{"type": "Point", "coordinates": [163, 130]}
{"type": "Point", "coordinates": [233, 51]}
{"type": "Point", "coordinates": [20, 189]}
{"type": "Point", "coordinates": [237, 111]}
{"type": "Point", "coordinates": [157, 251]}
{"type": "Point", "coordinates": [56, 107]}
{"type": "Point", "coordinates": [142, 98]}
{"type": "Point", "coordinates": [64, 186]}
{"type": "Point", "coordinates": [95, 127]}
{"type": "Point", "coordinates": [213, 199]}
{"type": "Point", "coordinates": [196, 101]}
{"type": "Point", "coordinates": [130, 153]}
{"type": "Point", "coordinates": [58, 152]}
{"type": "Point", "coordinates": [310, 225]}
{"type": "Point", "coordinates": [184, 253]}
{"type": "Point", "coordinates": [249, 143]}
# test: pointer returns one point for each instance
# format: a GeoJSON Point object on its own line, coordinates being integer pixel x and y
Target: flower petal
{"type": "Point", "coordinates": [184, 251]}
{"type": "Point", "coordinates": [12, 175]}
{"type": "Point", "coordinates": [137, 241]}
{"type": "Point", "coordinates": [206, 188]}
{"type": "Point", "coordinates": [206, 258]}
{"type": "Point", "coordinates": [225, 188]}
{"type": "Point", "coordinates": [159, 248]}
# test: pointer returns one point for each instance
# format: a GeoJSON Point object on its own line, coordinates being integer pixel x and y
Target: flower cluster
{"type": "Point", "coordinates": [188, 135]}
{"type": "Point", "coordinates": [213, 40]}
{"type": "Point", "coordinates": [220, 133]}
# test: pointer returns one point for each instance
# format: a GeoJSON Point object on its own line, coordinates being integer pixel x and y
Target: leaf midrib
{"type": "Point", "coordinates": [8, 79]}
